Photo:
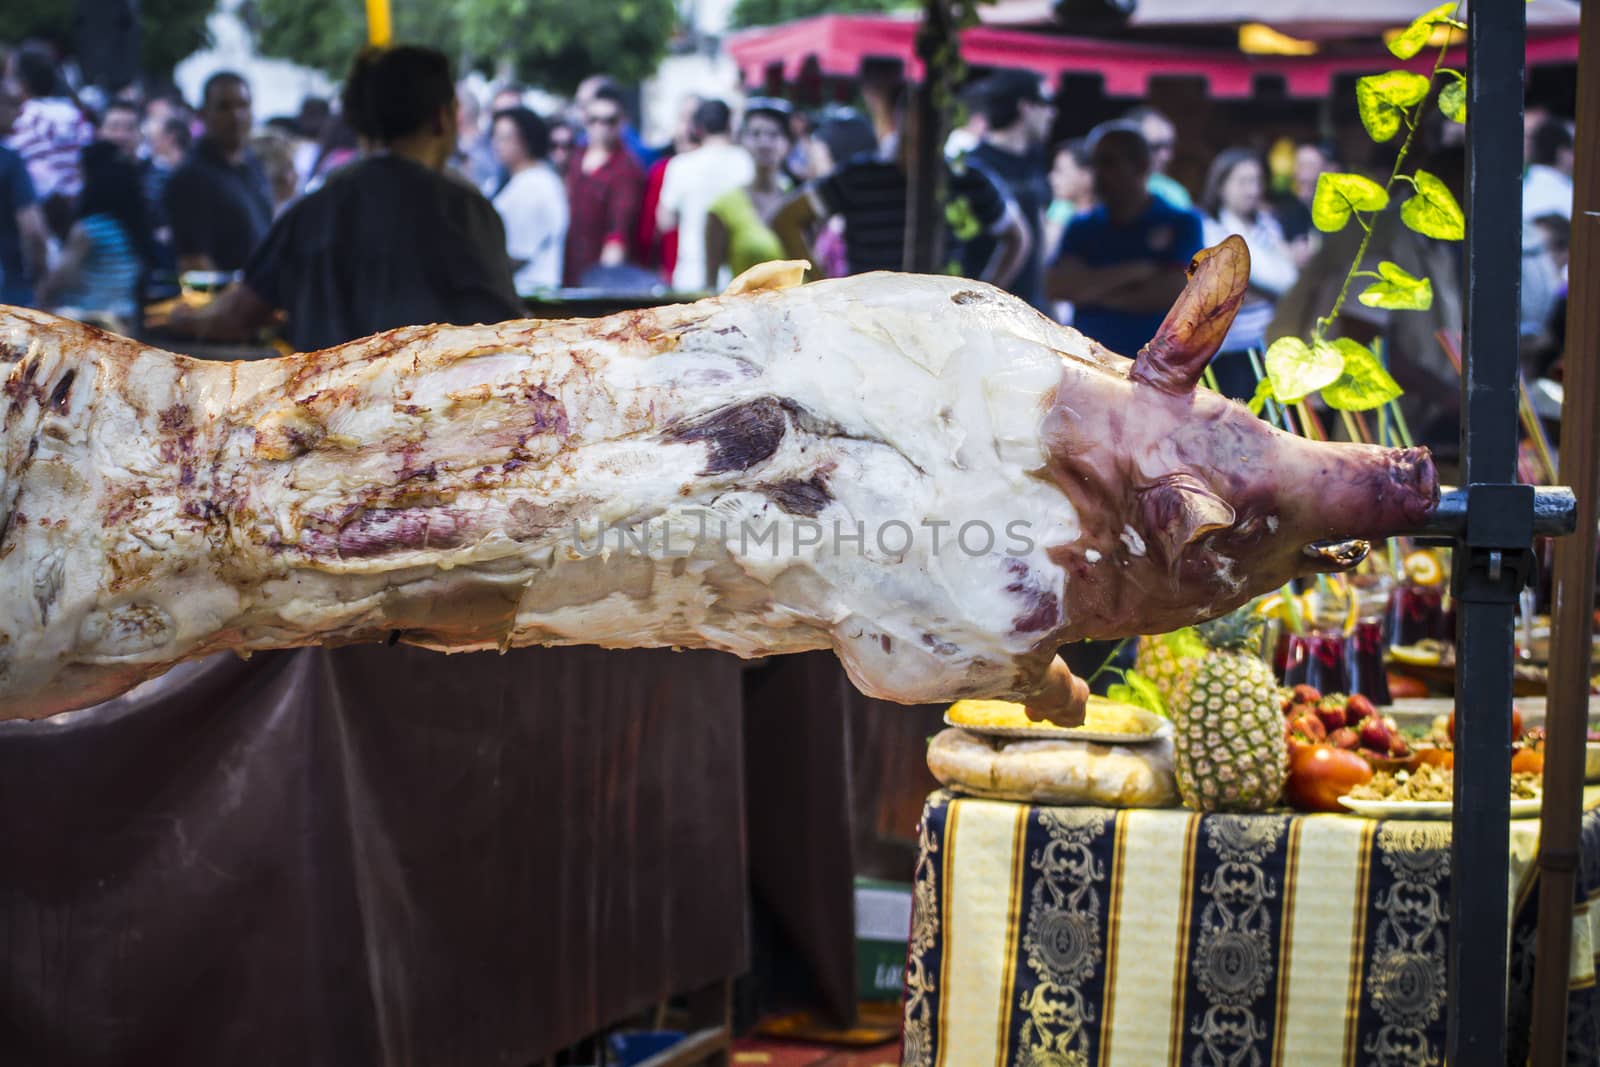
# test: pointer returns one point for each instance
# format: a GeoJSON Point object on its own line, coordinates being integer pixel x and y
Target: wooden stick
{"type": "Point", "coordinates": [1400, 425]}
{"type": "Point", "coordinates": [1535, 431]}
{"type": "Point", "coordinates": [1351, 429]}
{"type": "Point", "coordinates": [1572, 621]}
{"type": "Point", "coordinates": [1311, 424]}
{"type": "Point", "coordinates": [1276, 413]}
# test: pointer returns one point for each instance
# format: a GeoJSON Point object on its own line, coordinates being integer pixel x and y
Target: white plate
{"type": "Point", "coordinates": [1045, 732]}
{"type": "Point", "coordinates": [1527, 808]}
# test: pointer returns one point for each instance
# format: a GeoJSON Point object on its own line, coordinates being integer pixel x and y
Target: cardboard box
{"type": "Point", "coordinates": [883, 928]}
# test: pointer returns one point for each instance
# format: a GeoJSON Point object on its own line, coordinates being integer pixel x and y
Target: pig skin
{"type": "Point", "coordinates": [617, 482]}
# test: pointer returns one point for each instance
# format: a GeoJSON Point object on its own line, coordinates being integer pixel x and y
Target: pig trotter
{"type": "Point", "coordinates": [1193, 330]}
{"type": "Point", "coordinates": [1062, 697]}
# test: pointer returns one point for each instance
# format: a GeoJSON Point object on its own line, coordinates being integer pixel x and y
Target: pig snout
{"type": "Point", "coordinates": [1417, 481]}
{"type": "Point", "coordinates": [1399, 494]}
{"type": "Point", "coordinates": [1360, 491]}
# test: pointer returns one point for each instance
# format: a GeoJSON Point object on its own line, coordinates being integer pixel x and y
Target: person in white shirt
{"type": "Point", "coordinates": [48, 132]}
{"type": "Point", "coordinates": [1546, 191]}
{"type": "Point", "coordinates": [533, 202]}
{"type": "Point", "coordinates": [692, 182]}
{"type": "Point", "coordinates": [1547, 185]}
{"type": "Point", "coordinates": [1233, 202]}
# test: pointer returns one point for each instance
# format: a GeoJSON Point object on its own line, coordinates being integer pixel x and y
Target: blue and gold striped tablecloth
{"type": "Point", "coordinates": [1049, 937]}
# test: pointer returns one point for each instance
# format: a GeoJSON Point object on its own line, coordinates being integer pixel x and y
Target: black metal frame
{"type": "Point", "coordinates": [1493, 552]}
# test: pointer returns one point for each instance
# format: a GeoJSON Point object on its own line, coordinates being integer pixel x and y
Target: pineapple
{"type": "Point", "coordinates": [1167, 660]}
{"type": "Point", "coordinates": [1227, 724]}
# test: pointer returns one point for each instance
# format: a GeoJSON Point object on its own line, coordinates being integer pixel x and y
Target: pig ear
{"type": "Point", "coordinates": [1195, 326]}
{"type": "Point", "coordinates": [1180, 511]}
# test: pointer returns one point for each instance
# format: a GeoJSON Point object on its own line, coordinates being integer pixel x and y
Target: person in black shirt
{"type": "Point", "coordinates": [1293, 208]}
{"type": "Point", "coordinates": [217, 203]}
{"type": "Point", "coordinates": [871, 192]}
{"type": "Point", "coordinates": [392, 240]}
{"type": "Point", "coordinates": [1018, 121]}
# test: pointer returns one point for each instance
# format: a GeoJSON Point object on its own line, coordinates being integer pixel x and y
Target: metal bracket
{"type": "Point", "coordinates": [1554, 510]}
{"type": "Point", "coordinates": [1494, 562]}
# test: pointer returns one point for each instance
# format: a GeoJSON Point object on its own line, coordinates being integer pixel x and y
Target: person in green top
{"type": "Point", "coordinates": [1162, 136]}
{"type": "Point", "coordinates": [738, 229]}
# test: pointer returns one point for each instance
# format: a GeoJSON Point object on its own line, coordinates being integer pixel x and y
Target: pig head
{"type": "Point", "coordinates": [1190, 505]}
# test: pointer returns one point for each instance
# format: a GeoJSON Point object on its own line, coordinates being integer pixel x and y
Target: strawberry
{"type": "Point", "coordinates": [1358, 707]}
{"type": "Point", "coordinates": [1332, 717]}
{"type": "Point", "coordinates": [1375, 734]}
{"type": "Point", "coordinates": [1305, 694]}
{"type": "Point", "coordinates": [1346, 737]}
{"type": "Point", "coordinates": [1308, 728]}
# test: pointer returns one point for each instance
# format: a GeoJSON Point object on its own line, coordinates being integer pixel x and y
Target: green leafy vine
{"type": "Point", "coordinates": [1348, 374]}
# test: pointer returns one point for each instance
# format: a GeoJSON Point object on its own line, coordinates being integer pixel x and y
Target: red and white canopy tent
{"type": "Point", "coordinates": [839, 43]}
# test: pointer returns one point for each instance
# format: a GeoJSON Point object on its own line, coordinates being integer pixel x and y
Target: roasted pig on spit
{"type": "Point", "coordinates": [920, 473]}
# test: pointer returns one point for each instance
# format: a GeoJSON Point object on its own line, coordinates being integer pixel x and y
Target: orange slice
{"type": "Point", "coordinates": [1423, 568]}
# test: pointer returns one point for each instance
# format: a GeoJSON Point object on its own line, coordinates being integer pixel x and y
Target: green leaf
{"type": "Point", "coordinates": [1432, 209]}
{"type": "Point", "coordinates": [1338, 195]}
{"type": "Point", "coordinates": [1263, 394]}
{"type": "Point", "coordinates": [1414, 37]}
{"type": "Point", "coordinates": [963, 223]}
{"type": "Point", "coordinates": [1186, 643]}
{"type": "Point", "coordinates": [1384, 99]}
{"type": "Point", "coordinates": [1139, 691]}
{"type": "Point", "coordinates": [1398, 291]}
{"type": "Point", "coordinates": [1453, 99]}
{"type": "Point", "coordinates": [1364, 385]}
{"type": "Point", "coordinates": [1297, 369]}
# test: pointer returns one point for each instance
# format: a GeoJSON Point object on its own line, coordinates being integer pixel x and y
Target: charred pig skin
{"type": "Point", "coordinates": [920, 473]}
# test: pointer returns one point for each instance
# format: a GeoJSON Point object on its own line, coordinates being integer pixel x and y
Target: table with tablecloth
{"type": "Point", "coordinates": [1080, 935]}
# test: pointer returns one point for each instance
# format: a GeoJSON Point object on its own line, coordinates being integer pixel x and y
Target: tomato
{"type": "Point", "coordinates": [1527, 761]}
{"type": "Point", "coordinates": [1403, 686]}
{"type": "Point", "coordinates": [1439, 757]}
{"type": "Point", "coordinates": [1320, 774]}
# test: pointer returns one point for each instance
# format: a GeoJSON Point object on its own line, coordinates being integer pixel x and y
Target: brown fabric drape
{"type": "Point", "coordinates": [798, 800]}
{"type": "Point", "coordinates": [835, 783]}
{"type": "Point", "coordinates": [370, 856]}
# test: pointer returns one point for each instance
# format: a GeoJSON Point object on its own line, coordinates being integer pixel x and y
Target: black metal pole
{"type": "Point", "coordinates": [1492, 557]}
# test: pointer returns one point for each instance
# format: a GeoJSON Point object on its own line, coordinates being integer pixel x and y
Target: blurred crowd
{"type": "Point", "coordinates": [413, 199]}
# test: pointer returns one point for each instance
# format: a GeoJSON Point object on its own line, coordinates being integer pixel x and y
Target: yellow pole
{"type": "Point", "coordinates": [379, 27]}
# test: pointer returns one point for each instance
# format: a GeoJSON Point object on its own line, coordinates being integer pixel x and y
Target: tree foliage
{"type": "Point", "coordinates": [772, 12]}
{"type": "Point", "coordinates": [550, 43]}
{"type": "Point", "coordinates": [169, 30]}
